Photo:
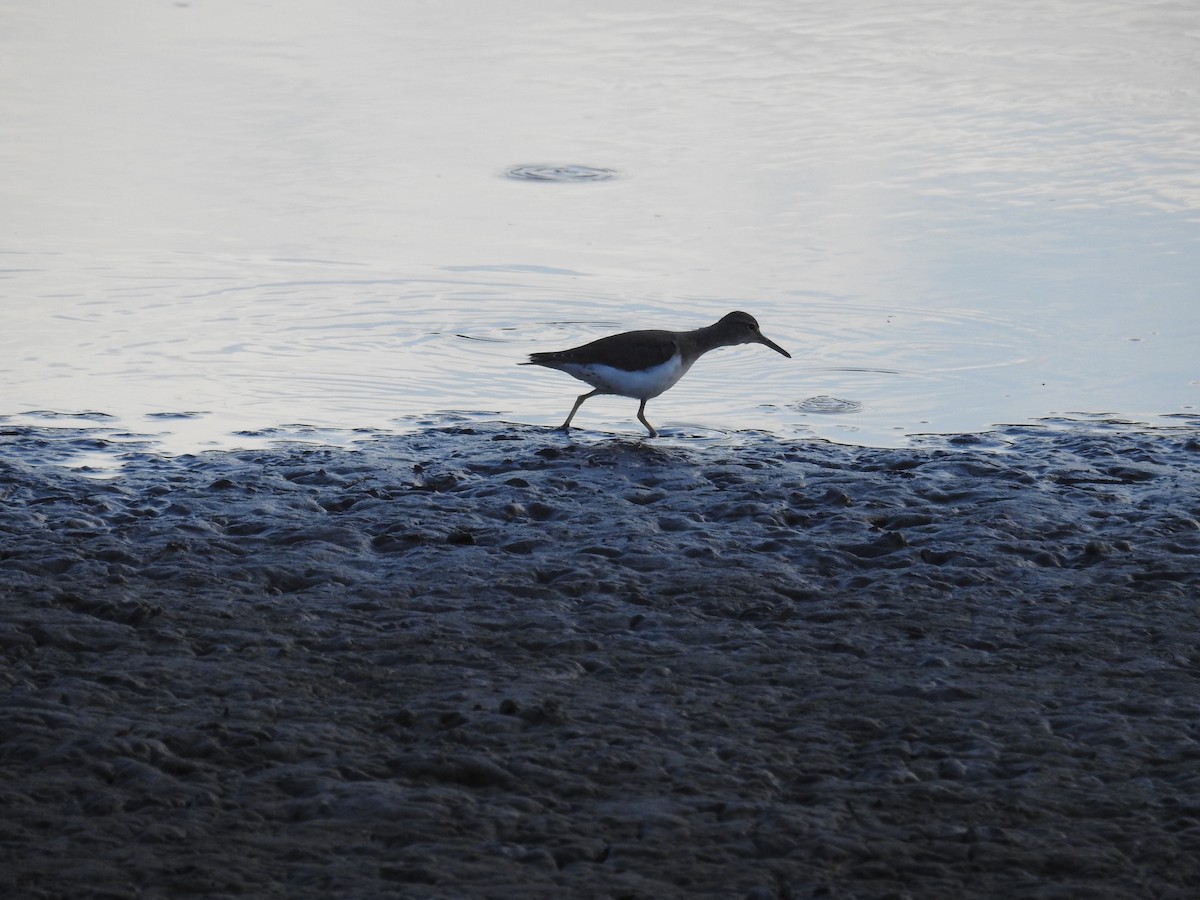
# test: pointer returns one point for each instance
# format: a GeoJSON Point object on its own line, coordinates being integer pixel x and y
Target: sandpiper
{"type": "Point", "coordinates": [643, 364]}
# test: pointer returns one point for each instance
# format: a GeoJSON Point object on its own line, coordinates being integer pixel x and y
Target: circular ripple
{"type": "Point", "coordinates": [560, 173]}
{"type": "Point", "coordinates": [827, 405]}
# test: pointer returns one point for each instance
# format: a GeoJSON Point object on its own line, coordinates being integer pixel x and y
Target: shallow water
{"type": "Point", "coordinates": [226, 220]}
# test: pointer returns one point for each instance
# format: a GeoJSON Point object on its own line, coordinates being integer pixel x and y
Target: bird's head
{"type": "Point", "coordinates": [742, 328]}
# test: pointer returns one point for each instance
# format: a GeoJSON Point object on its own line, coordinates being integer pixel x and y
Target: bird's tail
{"type": "Point", "coordinates": [540, 359]}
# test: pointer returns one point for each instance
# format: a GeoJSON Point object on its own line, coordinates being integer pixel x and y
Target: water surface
{"type": "Point", "coordinates": [226, 219]}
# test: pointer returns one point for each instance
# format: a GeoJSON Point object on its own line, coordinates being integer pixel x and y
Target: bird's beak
{"type": "Point", "coordinates": [763, 339]}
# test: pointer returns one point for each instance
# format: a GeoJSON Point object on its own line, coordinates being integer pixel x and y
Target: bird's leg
{"type": "Point", "coordinates": [642, 417]}
{"type": "Point", "coordinates": [565, 426]}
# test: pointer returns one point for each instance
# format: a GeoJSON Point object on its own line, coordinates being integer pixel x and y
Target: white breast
{"type": "Point", "coordinates": [643, 384]}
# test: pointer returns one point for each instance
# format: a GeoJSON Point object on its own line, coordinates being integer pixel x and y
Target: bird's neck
{"type": "Point", "coordinates": [694, 344]}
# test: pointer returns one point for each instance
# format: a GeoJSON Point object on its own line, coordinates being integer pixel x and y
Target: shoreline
{"type": "Point", "coordinates": [494, 661]}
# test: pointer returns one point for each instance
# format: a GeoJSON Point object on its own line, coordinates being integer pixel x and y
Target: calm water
{"type": "Point", "coordinates": [222, 216]}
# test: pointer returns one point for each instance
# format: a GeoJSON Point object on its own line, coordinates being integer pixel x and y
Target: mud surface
{"type": "Point", "coordinates": [496, 662]}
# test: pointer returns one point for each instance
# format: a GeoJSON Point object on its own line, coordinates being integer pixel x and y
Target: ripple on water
{"type": "Point", "coordinates": [560, 173]}
{"type": "Point", "coordinates": [827, 405]}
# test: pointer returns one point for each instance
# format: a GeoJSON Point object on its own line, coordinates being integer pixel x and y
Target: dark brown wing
{"type": "Point", "coordinates": [629, 351]}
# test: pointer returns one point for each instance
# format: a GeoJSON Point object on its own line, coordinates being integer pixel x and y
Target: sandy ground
{"type": "Point", "coordinates": [499, 662]}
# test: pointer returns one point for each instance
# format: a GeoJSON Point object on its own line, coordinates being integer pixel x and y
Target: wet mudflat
{"type": "Point", "coordinates": [499, 662]}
